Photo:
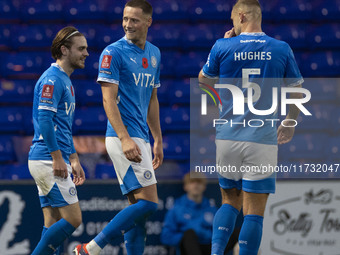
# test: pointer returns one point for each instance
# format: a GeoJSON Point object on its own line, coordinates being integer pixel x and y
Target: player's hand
{"type": "Point", "coordinates": [230, 33]}
{"type": "Point", "coordinates": [59, 165]}
{"type": "Point", "coordinates": [157, 155]}
{"type": "Point", "coordinates": [60, 168]}
{"type": "Point", "coordinates": [131, 150]}
{"type": "Point", "coordinates": [285, 134]}
{"type": "Point", "coordinates": [78, 173]}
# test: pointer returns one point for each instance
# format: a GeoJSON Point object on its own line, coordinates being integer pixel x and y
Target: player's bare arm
{"type": "Point", "coordinates": [285, 134]}
{"type": "Point", "coordinates": [155, 128]}
{"type": "Point", "coordinates": [130, 148]}
{"type": "Point", "coordinates": [205, 80]}
{"type": "Point", "coordinates": [77, 170]}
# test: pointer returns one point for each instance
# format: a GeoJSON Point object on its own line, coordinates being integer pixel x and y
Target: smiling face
{"type": "Point", "coordinates": [77, 54]}
{"type": "Point", "coordinates": [136, 25]}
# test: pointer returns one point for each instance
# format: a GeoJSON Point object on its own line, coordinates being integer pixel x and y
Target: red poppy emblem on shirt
{"type": "Point", "coordinates": [145, 63]}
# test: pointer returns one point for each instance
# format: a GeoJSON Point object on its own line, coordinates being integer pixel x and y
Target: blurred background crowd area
{"type": "Point", "coordinates": [184, 31]}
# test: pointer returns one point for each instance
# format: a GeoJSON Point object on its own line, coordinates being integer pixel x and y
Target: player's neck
{"type": "Point", "coordinates": [65, 66]}
{"type": "Point", "coordinates": [252, 28]}
{"type": "Point", "coordinates": [140, 43]}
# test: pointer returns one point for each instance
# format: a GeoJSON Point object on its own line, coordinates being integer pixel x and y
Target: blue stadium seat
{"type": "Point", "coordinates": [326, 9]}
{"type": "Point", "coordinates": [87, 92]}
{"type": "Point", "coordinates": [286, 10]}
{"type": "Point", "coordinates": [16, 91]}
{"type": "Point", "coordinates": [293, 34]}
{"type": "Point", "coordinates": [25, 64]}
{"type": "Point", "coordinates": [168, 62]}
{"type": "Point", "coordinates": [190, 64]}
{"type": "Point", "coordinates": [164, 35]}
{"type": "Point", "coordinates": [197, 36]}
{"type": "Point", "coordinates": [41, 10]}
{"type": "Point", "coordinates": [210, 10]}
{"type": "Point", "coordinates": [5, 37]}
{"type": "Point", "coordinates": [176, 146]}
{"type": "Point", "coordinates": [322, 89]}
{"type": "Point", "coordinates": [33, 36]}
{"type": "Point", "coordinates": [108, 34]}
{"type": "Point", "coordinates": [16, 172]}
{"type": "Point", "coordinates": [91, 32]}
{"type": "Point", "coordinates": [320, 119]}
{"type": "Point", "coordinates": [169, 10]}
{"type": "Point", "coordinates": [82, 10]}
{"type": "Point", "coordinates": [324, 36]}
{"type": "Point", "coordinates": [90, 120]}
{"type": "Point", "coordinates": [174, 92]}
{"type": "Point", "coordinates": [9, 11]}
{"type": "Point", "coordinates": [105, 171]}
{"type": "Point", "coordinates": [12, 119]}
{"type": "Point", "coordinates": [333, 149]}
{"type": "Point", "coordinates": [305, 146]}
{"type": "Point", "coordinates": [91, 67]}
{"type": "Point", "coordinates": [175, 118]}
{"type": "Point", "coordinates": [321, 64]}
{"type": "Point", "coordinates": [335, 121]}
{"type": "Point", "coordinates": [7, 153]}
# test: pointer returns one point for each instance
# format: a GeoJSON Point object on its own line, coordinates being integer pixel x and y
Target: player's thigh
{"type": "Point", "coordinates": [148, 193]}
{"type": "Point", "coordinates": [233, 197]}
{"type": "Point", "coordinates": [72, 214]}
{"type": "Point", "coordinates": [51, 215]}
{"type": "Point", "coordinates": [258, 166]}
{"type": "Point", "coordinates": [254, 203]}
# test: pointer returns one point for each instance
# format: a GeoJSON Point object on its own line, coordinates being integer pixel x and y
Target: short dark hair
{"type": "Point", "coordinates": [63, 37]}
{"type": "Point", "coordinates": [255, 3]}
{"type": "Point", "coordinates": [143, 4]}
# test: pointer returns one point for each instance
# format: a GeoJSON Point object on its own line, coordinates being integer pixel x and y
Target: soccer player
{"type": "Point", "coordinates": [129, 77]}
{"type": "Point", "coordinates": [245, 54]}
{"type": "Point", "coordinates": [52, 157]}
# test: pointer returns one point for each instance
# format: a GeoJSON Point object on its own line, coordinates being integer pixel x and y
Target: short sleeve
{"type": "Point", "coordinates": [109, 65]}
{"type": "Point", "coordinates": [211, 67]}
{"type": "Point", "coordinates": [292, 76]}
{"type": "Point", "coordinates": [51, 90]}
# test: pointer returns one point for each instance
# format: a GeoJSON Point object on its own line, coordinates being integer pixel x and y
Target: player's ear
{"type": "Point", "coordinates": [63, 50]}
{"type": "Point", "coordinates": [149, 22]}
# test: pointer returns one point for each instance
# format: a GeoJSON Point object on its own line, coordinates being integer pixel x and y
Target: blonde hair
{"type": "Point", "coordinates": [251, 7]}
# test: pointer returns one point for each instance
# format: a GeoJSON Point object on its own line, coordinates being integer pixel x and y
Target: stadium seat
{"type": "Point", "coordinates": [320, 120]}
{"type": "Point", "coordinates": [168, 63]}
{"type": "Point", "coordinates": [41, 10]}
{"type": "Point", "coordinates": [335, 120]}
{"type": "Point", "coordinates": [164, 36]}
{"type": "Point", "coordinates": [321, 89]}
{"type": "Point", "coordinates": [326, 9]}
{"type": "Point", "coordinates": [90, 120]}
{"type": "Point", "coordinates": [9, 11]}
{"type": "Point", "coordinates": [305, 146]}
{"type": "Point", "coordinates": [12, 120]}
{"type": "Point", "coordinates": [293, 34]}
{"type": "Point", "coordinates": [5, 37]}
{"type": "Point", "coordinates": [210, 10]}
{"type": "Point", "coordinates": [169, 10]}
{"type": "Point", "coordinates": [91, 32]}
{"type": "Point", "coordinates": [325, 36]}
{"type": "Point", "coordinates": [16, 172]}
{"type": "Point", "coordinates": [333, 149]}
{"type": "Point", "coordinates": [176, 146]}
{"type": "Point", "coordinates": [88, 92]}
{"type": "Point", "coordinates": [7, 153]}
{"type": "Point", "coordinates": [321, 64]}
{"type": "Point", "coordinates": [278, 10]}
{"type": "Point", "coordinates": [16, 91]}
{"type": "Point", "coordinates": [197, 36]}
{"type": "Point", "coordinates": [175, 118]}
{"type": "Point", "coordinates": [190, 64]}
{"type": "Point", "coordinates": [105, 171]}
{"type": "Point", "coordinates": [82, 10]}
{"type": "Point", "coordinates": [25, 64]}
{"type": "Point", "coordinates": [174, 92]}
{"type": "Point", "coordinates": [105, 35]}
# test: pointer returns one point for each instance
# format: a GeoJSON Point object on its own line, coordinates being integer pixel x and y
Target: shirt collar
{"type": "Point", "coordinates": [59, 67]}
{"type": "Point", "coordinates": [254, 34]}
